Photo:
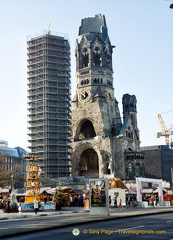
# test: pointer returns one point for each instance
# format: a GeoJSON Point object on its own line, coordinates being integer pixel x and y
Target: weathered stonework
{"type": "Point", "coordinates": [100, 138]}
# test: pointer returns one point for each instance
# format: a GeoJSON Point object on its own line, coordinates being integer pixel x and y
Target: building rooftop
{"type": "Point", "coordinates": [92, 24]}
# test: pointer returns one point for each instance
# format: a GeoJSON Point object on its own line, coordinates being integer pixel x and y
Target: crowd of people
{"type": "Point", "coordinates": [130, 202]}
{"type": "Point", "coordinates": [76, 200]}
{"type": "Point", "coordinates": [152, 200]}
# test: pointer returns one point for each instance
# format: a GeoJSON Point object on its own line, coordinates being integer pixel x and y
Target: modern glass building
{"type": "Point", "coordinates": [49, 102]}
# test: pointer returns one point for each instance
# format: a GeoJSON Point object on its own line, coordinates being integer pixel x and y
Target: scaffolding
{"type": "Point", "coordinates": [49, 103]}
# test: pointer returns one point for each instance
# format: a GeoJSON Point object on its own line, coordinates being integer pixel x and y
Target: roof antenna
{"type": "Point", "coordinates": [48, 31]}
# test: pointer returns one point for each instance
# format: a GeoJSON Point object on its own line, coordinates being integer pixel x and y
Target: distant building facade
{"type": "Point", "coordinates": [14, 156]}
{"type": "Point", "coordinates": [159, 162]}
{"type": "Point", "coordinates": [49, 102]}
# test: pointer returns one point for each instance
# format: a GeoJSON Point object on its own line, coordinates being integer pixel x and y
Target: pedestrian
{"type": "Point", "coordinates": [110, 201]}
{"type": "Point", "coordinates": [3, 205]}
{"type": "Point", "coordinates": [8, 206]}
{"type": "Point", "coordinates": [115, 202]}
{"type": "Point", "coordinates": [71, 201]}
{"type": "Point", "coordinates": [120, 202]}
{"type": "Point", "coordinates": [35, 205]}
{"type": "Point", "coordinates": [157, 200]}
{"type": "Point", "coordinates": [152, 201]}
{"type": "Point", "coordinates": [80, 201]}
{"type": "Point", "coordinates": [127, 201]}
{"type": "Point", "coordinates": [75, 201]}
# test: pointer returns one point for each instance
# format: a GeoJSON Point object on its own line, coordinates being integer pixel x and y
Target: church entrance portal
{"type": "Point", "coordinates": [88, 164]}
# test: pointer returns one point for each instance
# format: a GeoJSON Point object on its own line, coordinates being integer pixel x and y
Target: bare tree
{"type": "Point", "coordinates": [16, 175]}
{"type": "Point", "coordinates": [4, 180]}
{"type": "Point", "coordinates": [12, 175]}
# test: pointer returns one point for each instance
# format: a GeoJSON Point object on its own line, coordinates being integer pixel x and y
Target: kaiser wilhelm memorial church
{"type": "Point", "coordinates": [103, 142]}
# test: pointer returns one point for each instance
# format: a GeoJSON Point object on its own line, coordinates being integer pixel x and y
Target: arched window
{"type": "Point", "coordinates": [97, 59]}
{"type": "Point", "coordinates": [87, 130]}
{"type": "Point", "coordinates": [138, 172]}
{"type": "Point", "coordinates": [85, 58]}
{"type": "Point", "coordinates": [113, 132]}
{"type": "Point", "coordinates": [88, 164]}
{"type": "Point", "coordinates": [107, 168]}
{"type": "Point", "coordinates": [131, 170]}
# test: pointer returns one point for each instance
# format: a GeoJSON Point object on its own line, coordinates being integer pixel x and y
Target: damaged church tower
{"type": "Point", "coordinates": [102, 142]}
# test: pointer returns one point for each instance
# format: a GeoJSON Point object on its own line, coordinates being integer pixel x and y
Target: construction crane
{"type": "Point", "coordinates": [165, 132]}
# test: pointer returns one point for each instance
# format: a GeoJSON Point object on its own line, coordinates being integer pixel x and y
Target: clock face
{"type": "Point", "coordinates": [84, 95]}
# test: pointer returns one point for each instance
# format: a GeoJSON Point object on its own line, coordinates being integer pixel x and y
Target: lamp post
{"type": "Point", "coordinates": [12, 182]}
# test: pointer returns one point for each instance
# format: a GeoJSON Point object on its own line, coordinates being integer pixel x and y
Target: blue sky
{"type": "Point", "coordinates": [142, 32]}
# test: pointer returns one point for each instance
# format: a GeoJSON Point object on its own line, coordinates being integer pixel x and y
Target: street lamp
{"type": "Point", "coordinates": [12, 182]}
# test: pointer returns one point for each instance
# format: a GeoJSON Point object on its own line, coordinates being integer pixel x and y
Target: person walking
{"type": "Point", "coordinates": [152, 201]}
{"type": "Point", "coordinates": [157, 200]}
{"type": "Point", "coordinates": [7, 206]}
{"type": "Point", "coordinates": [75, 201]}
{"type": "Point", "coordinates": [80, 201]}
{"type": "Point", "coordinates": [35, 205]}
{"type": "Point", "coordinates": [71, 199]}
{"type": "Point", "coordinates": [127, 201]}
{"type": "Point", "coordinates": [115, 202]}
{"type": "Point", "coordinates": [110, 201]}
{"type": "Point", "coordinates": [120, 202]}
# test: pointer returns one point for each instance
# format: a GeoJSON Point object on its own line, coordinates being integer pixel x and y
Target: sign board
{"type": "Point", "coordinates": [98, 189]}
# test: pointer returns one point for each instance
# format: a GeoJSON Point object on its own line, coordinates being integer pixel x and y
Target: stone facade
{"type": "Point", "coordinates": [158, 162]}
{"type": "Point", "coordinates": [100, 137]}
